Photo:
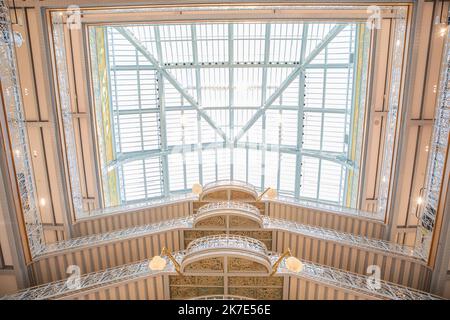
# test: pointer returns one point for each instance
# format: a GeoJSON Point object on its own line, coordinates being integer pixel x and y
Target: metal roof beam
{"type": "Point", "coordinates": [291, 77]}
{"type": "Point", "coordinates": [143, 50]}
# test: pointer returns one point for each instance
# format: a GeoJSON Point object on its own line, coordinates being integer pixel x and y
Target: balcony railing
{"type": "Point", "coordinates": [229, 206]}
{"type": "Point", "coordinates": [235, 183]}
{"type": "Point", "coordinates": [226, 241]}
{"type": "Point", "coordinates": [354, 240]}
{"type": "Point", "coordinates": [130, 272]}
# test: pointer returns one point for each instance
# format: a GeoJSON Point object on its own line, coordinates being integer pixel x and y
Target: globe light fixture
{"type": "Point", "coordinates": [197, 188]}
{"type": "Point", "coordinates": [293, 264]}
{"type": "Point", "coordinates": [157, 263]}
{"type": "Point", "coordinates": [271, 193]}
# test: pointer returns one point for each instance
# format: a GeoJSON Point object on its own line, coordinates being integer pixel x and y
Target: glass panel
{"type": "Point", "coordinates": [175, 88]}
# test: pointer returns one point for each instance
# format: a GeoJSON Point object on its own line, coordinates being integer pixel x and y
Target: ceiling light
{"type": "Point", "coordinates": [157, 263]}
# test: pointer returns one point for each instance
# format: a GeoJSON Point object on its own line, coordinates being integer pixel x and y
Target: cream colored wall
{"type": "Point", "coordinates": [8, 282]}
{"type": "Point", "coordinates": [41, 125]}
{"type": "Point", "coordinates": [420, 101]}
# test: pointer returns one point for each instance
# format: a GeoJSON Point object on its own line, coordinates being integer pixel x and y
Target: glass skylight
{"type": "Point", "coordinates": [272, 104]}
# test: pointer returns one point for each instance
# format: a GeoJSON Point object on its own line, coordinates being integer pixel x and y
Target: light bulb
{"type": "Point", "coordinates": [293, 264]}
{"type": "Point", "coordinates": [271, 193]}
{"type": "Point", "coordinates": [157, 263]}
{"type": "Point", "coordinates": [197, 188]}
{"type": "Point", "coordinates": [419, 200]}
{"type": "Point", "coordinates": [42, 202]}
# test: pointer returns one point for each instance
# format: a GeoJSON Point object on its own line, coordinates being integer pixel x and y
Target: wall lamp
{"type": "Point", "coordinates": [158, 263]}
{"type": "Point", "coordinates": [292, 263]}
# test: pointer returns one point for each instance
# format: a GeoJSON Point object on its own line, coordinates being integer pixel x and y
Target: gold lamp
{"type": "Point", "coordinates": [292, 263]}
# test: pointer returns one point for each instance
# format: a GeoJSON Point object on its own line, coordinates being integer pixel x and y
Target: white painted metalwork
{"type": "Point", "coordinates": [379, 216]}
{"type": "Point", "coordinates": [269, 223]}
{"type": "Point", "coordinates": [97, 239]}
{"type": "Point", "coordinates": [438, 152]}
{"type": "Point", "coordinates": [345, 238]}
{"type": "Point", "coordinates": [393, 105]}
{"type": "Point", "coordinates": [213, 82]}
{"type": "Point", "coordinates": [231, 183]}
{"type": "Point", "coordinates": [142, 205]}
{"type": "Point", "coordinates": [223, 205]}
{"type": "Point", "coordinates": [226, 241]}
{"type": "Point", "coordinates": [18, 133]}
{"type": "Point", "coordinates": [319, 273]}
{"type": "Point", "coordinates": [355, 282]}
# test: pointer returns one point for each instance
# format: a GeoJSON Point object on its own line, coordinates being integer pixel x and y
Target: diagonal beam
{"type": "Point", "coordinates": [291, 77]}
{"type": "Point", "coordinates": [143, 50]}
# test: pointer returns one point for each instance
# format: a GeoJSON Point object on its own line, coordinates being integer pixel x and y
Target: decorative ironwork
{"type": "Point", "coordinates": [18, 133]}
{"type": "Point", "coordinates": [342, 237]}
{"type": "Point", "coordinates": [143, 204]}
{"type": "Point", "coordinates": [248, 209]}
{"type": "Point", "coordinates": [225, 183]}
{"type": "Point", "coordinates": [269, 223]}
{"type": "Point", "coordinates": [393, 103]}
{"type": "Point", "coordinates": [331, 208]}
{"type": "Point", "coordinates": [123, 234]}
{"type": "Point", "coordinates": [66, 110]}
{"type": "Point", "coordinates": [226, 241]}
{"type": "Point", "coordinates": [439, 149]}
{"type": "Point", "coordinates": [355, 282]}
{"type": "Point", "coordinates": [316, 272]}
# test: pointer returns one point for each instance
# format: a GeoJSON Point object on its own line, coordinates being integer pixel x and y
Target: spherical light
{"type": "Point", "coordinates": [157, 263]}
{"type": "Point", "coordinates": [272, 193]}
{"type": "Point", "coordinates": [197, 188]}
{"type": "Point", "coordinates": [293, 264]}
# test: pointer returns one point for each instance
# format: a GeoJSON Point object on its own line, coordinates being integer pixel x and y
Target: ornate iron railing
{"type": "Point", "coordinates": [226, 241]}
{"type": "Point", "coordinates": [141, 205]}
{"type": "Point", "coordinates": [354, 282]}
{"type": "Point", "coordinates": [316, 272]}
{"type": "Point", "coordinates": [225, 183]}
{"type": "Point", "coordinates": [269, 223]}
{"type": "Point", "coordinates": [18, 133]}
{"type": "Point", "coordinates": [232, 205]}
{"type": "Point", "coordinates": [180, 223]}
{"type": "Point", "coordinates": [351, 239]}
{"type": "Point", "coordinates": [330, 208]}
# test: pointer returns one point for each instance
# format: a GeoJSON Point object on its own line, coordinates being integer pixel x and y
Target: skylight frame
{"type": "Point", "coordinates": [340, 13]}
{"type": "Point", "coordinates": [288, 150]}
